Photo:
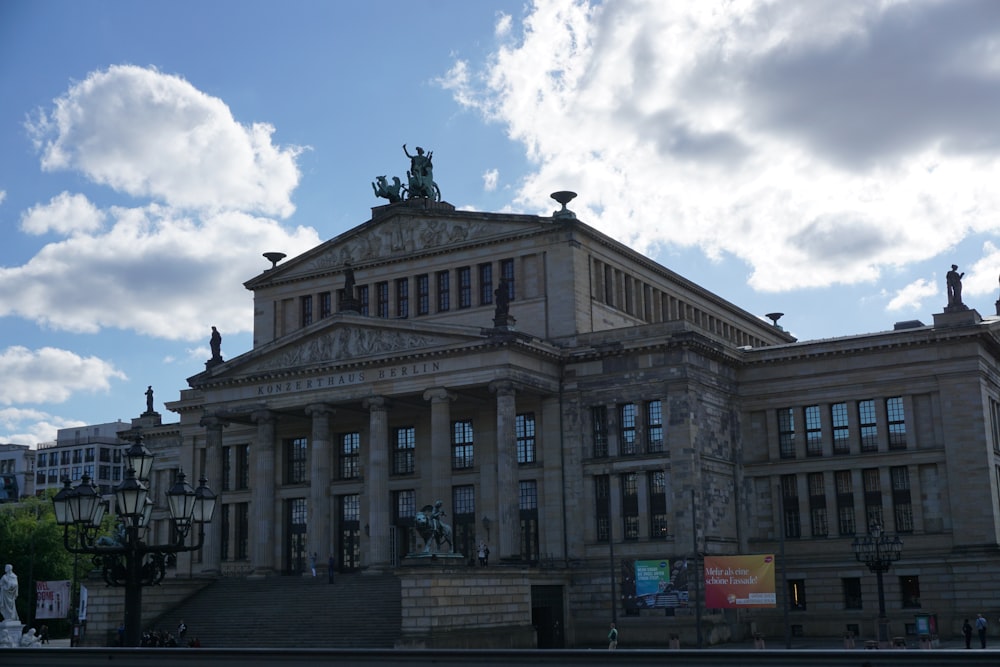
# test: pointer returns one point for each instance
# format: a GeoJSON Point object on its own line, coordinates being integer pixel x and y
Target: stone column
{"type": "Point", "coordinates": [508, 495]}
{"type": "Point", "coordinates": [211, 550]}
{"type": "Point", "coordinates": [319, 481]}
{"type": "Point", "coordinates": [438, 475]}
{"type": "Point", "coordinates": [377, 482]}
{"type": "Point", "coordinates": [262, 547]}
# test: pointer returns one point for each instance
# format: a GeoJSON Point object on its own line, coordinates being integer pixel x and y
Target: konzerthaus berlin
{"type": "Point", "coordinates": [575, 404]}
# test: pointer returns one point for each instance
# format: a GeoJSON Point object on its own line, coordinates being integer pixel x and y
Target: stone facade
{"type": "Point", "coordinates": [619, 400]}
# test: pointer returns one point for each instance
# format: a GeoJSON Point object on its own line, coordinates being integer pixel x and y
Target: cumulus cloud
{"type": "Point", "coordinates": [162, 268]}
{"type": "Point", "coordinates": [21, 426]}
{"type": "Point", "coordinates": [150, 134]}
{"type": "Point", "coordinates": [912, 296]}
{"type": "Point", "coordinates": [821, 143]}
{"type": "Point", "coordinates": [51, 375]}
{"type": "Point", "coordinates": [65, 214]}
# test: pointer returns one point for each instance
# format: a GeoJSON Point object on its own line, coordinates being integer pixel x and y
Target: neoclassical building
{"type": "Point", "coordinates": [577, 406]}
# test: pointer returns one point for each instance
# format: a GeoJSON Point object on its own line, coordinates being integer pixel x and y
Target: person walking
{"type": "Point", "coordinates": [312, 563]}
{"type": "Point", "coordinates": [981, 629]}
{"type": "Point", "coordinates": [484, 554]}
{"type": "Point", "coordinates": [613, 638]}
{"type": "Point", "coordinates": [967, 632]}
{"type": "Point", "coordinates": [330, 567]}
{"type": "Point", "coordinates": [182, 629]}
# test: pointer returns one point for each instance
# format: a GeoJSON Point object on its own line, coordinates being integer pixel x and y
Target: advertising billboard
{"type": "Point", "coordinates": [655, 584]}
{"type": "Point", "coordinates": [52, 599]}
{"type": "Point", "coordinates": [739, 582]}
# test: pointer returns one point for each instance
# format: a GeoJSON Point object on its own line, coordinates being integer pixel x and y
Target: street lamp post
{"type": "Point", "coordinates": [878, 552]}
{"type": "Point", "coordinates": [126, 559]}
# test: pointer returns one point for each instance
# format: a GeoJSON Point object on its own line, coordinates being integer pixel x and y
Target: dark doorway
{"type": "Point", "coordinates": [547, 615]}
{"type": "Point", "coordinates": [349, 543]}
{"type": "Point", "coordinates": [296, 536]}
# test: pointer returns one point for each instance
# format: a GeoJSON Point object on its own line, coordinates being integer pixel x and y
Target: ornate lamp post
{"type": "Point", "coordinates": [878, 552]}
{"type": "Point", "coordinates": [125, 559]}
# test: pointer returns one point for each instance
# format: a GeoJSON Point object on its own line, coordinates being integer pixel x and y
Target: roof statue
{"type": "Point", "coordinates": [419, 180]}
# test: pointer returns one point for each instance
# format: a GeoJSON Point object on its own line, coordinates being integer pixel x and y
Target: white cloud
{"type": "Point", "coordinates": [64, 214]}
{"type": "Point", "coordinates": [3, 195]}
{"type": "Point", "coordinates": [490, 179]}
{"type": "Point", "coordinates": [821, 142]}
{"type": "Point", "coordinates": [153, 271]}
{"type": "Point", "coordinates": [22, 426]}
{"type": "Point", "coordinates": [51, 375]}
{"type": "Point", "coordinates": [155, 135]}
{"type": "Point", "coordinates": [911, 297]}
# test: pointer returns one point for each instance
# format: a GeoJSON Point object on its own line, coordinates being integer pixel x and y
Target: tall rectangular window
{"type": "Point", "coordinates": [599, 421]}
{"type": "Point", "coordinates": [630, 505]}
{"type": "Point", "coordinates": [507, 275]}
{"type": "Point", "coordinates": [841, 432]}
{"type": "Point", "coordinates": [382, 299]}
{"type": "Point", "coordinates": [797, 594]}
{"type": "Point", "coordinates": [485, 284]}
{"type": "Point", "coordinates": [817, 505]}
{"type": "Point", "coordinates": [654, 427]}
{"type": "Point", "coordinates": [995, 423]}
{"type": "Point", "coordinates": [462, 445]}
{"type": "Point", "coordinates": [402, 297]}
{"type": "Point", "coordinates": [814, 431]}
{"type": "Point", "coordinates": [896, 422]}
{"type": "Point", "coordinates": [790, 500]}
{"type": "Point", "coordinates": [243, 467]}
{"type": "Point", "coordinates": [873, 497]}
{"type": "Point", "coordinates": [852, 593]}
{"type": "Point", "coordinates": [786, 433]}
{"type": "Point", "coordinates": [867, 425]}
{"type": "Point", "coordinates": [307, 310]}
{"type": "Point", "coordinates": [464, 287]}
{"type": "Point", "coordinates": [902, 504]}
{"type": "Point", "coordinates": [325, 304]}
{"type": "Point", "coordinates": [443, 291]}
{"type": "Point", "coordinates": [227, 468]}
{"type": "Point", "coordinates": [296, 453]}
{"type": "Point", "coordinates": [528, 510]}
{"type": "Point", "coordinates": [602, 501]}
{"type": "Point", "coordinates": [423, 294]}
{"type": "Point", "coordinates": [909, 590]}
{"type": "Point", "coordinates": [845, 502]}
{"type": "Point", "coordinates": [626, 414]}
{"type": "Point", "coordinates": [404, 506]}
{"type": "Point", "coordinates": [350, 458]}
{"type": "Point", "coordinates": [403, 451]}
{"type": "Point", "coordinates": [524, 428]}
{"type": "Point", "coordinates": [657, 504]}
{"type": "Point", "coordinates": [242, 531]}
{"type": "Point", "coordinates": [363, 299]}
{"type": "Point", "coordinates": [463, 500]}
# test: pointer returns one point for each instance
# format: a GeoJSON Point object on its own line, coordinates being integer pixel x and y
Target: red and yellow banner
{"type": "Point", "coordinates": [739, 582]}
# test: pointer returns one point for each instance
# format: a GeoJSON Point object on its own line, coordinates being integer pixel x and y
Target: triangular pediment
{"type": "Point", "coordinates": [341, 340]}
{"type": "Point", "coordinates": [402, 231]}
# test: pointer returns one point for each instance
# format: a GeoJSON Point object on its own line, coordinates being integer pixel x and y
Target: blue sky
{"type": "Point", "coordinates": [828, 160]}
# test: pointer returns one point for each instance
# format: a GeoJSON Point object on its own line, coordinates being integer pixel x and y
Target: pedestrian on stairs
{"type": "Point", "coordinates": [312, 562]}
{"type": "Point", "coordinates": [330, 566]}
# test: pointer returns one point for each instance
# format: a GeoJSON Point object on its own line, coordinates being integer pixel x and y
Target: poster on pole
{"type": "Point", "coordinates": [82, 615]}
{"type": "Point", "coordinates": [739, 582]}
{"type": "Point", "coordinates": [52, 599]}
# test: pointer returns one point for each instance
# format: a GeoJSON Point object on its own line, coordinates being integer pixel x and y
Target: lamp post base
{"type": "Point", "coordinates": [884, 635]}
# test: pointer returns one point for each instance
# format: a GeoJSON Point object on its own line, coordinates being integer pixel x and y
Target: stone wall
{"type": "Point", "coordinates": [445, 607]}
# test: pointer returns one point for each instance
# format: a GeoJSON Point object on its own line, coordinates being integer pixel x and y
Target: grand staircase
{"type": "Point", "coordinates": [358, 611]}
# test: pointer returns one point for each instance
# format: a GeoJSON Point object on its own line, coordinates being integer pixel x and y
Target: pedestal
{"type": "Point", "coordinates": [10, 634]}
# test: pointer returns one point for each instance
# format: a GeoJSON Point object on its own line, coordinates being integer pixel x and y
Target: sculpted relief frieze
{"type": "Point", "coordinates": [343, 344]}
{"type": "Point", "coordinates": [399, 238]}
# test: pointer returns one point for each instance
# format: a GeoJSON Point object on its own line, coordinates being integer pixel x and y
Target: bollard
{"type": "Point", "coordinates": [758, 640]}
{"type": "Point", "coordinates": [675, 641]}
{"type": "Point", "coordinates": [848, 640]}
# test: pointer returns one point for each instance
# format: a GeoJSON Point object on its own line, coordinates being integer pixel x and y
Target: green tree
{"type": "Point", "coordinates": [33, 544]}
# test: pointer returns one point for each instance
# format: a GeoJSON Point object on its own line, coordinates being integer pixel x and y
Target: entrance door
{"type": "Point", "coordinates": [296, 538]}
{"type": "Point", "coordinates": [350, 533]}
{"type": "Point", "coordinates": [547, 615]}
